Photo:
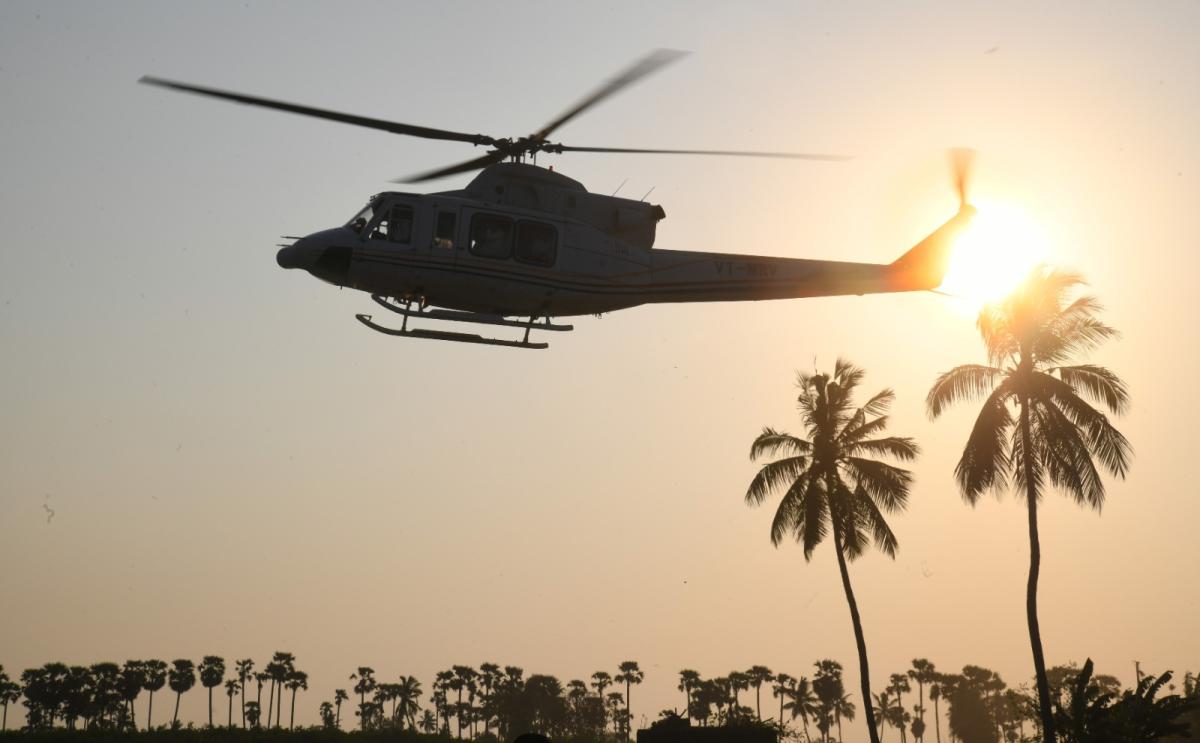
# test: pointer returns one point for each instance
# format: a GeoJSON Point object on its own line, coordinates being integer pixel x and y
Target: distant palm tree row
{"type": "Point", "coordinates": [1037, 429]}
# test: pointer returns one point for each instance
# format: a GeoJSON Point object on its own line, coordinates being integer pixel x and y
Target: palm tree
{"type": "Point", "coordinates": [462, 675]}
{"type": "Point", "coordinates": [260, 678]}
{"type": "Point", "coordinates": [212, 673]}
{"type": "Point", "coordinates": [830, 484]}
{"type": "Point", "coordinates": [783, 683]}
{"type": "Point", "coordinates": [245, 670]}
{"type": "Point", "coordinates": [687, 681]}
{"type": "Point", "coordinates": [935, 693]}
{"type": "Point", "coordinates": [156, 678]}
{"type": "Point", "coordinates": [296, 680]}
{"type": "Point", "coordinates": [1056, 436]}
{"type": "Point", "coordinates": [339, 696]}
{"type": "Point", "coordinates": [408, 691]}
{"type": "Point", "coordinates": [366, 683]}
{"type": "Point", "coordinates": [898, 685]}
{"type": "Point", "coordinates": [738, 681]}
{"type": "Point", "coordinates": [428, 722]}
{"type": "Point", "coordinates": [843, 707]}
{"type": "Point", "coordinates": [10, 692]}
{"type": "Point", "coordinates": [282, 664]}
{"type": "Point", "coordinates": [133, 677]}
{"type": "Point", "coordinates": [883, 705]}
{"type": "Point", "coordinates": [231, 689]}
{"type": "Point", "coordinates": [629, 673]}
{"type": "Point", "coordinates": [181, 677]}
{"type": "Point", "coordinates": [803, 702]}
{"type": "Point", "coordinates": [923, 672]}
{"type": "Point", "coordinates": [758, 676]}
{"type": "Point", "coordinates": [601, 680]}
{"type": "Point", "coordinates": [489, 678]}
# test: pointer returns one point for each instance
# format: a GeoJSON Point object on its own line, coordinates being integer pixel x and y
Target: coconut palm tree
{"type": "Point", "coordinates": [935, 694]}
{"type": "Point", "coordinates": [883, 704]}
{"type": "Point", "coordinates": [843, 707]}
{"type": "Point", "coordinates": [408, 692]}
{"type": "Point", "coordinates": [180, 678]}
{"type": "Point", "coordinates": [628, 673]}
{"type": "Point", "coordinates": [1037, 426]}
{"type": "Point", "coordinates": [245, 671]}
{"type": "Point", "coordinates": [365, 683]}
{"type": "Point", "coordinates": [738, 681]}
{"type": "Point", "coordinates": [212, 673]}
{"type": "Point", "coordinates": [830, 483]}
{"type": "Point", "coordinates": [802, 702]}
{"type": "Point", "coordinates": [156, 678]}
{"type": "Point", "coordinates": [295, 681]}
{"type": "Point", "coordinates": [232, 686]}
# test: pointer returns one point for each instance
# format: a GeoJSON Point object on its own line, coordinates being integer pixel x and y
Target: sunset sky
{"type": "Point", "coordinates": [235, 466]}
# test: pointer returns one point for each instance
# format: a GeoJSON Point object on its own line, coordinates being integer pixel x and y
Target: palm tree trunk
{"type": "Point", "coordinates": [839, 724]}
{"type": "Point", "coordinates": [292, 717]}
{"type": "Point", "coordinates": [230, 711]}
{"type": "Point", "coordinates": [863, 670]}
{"type": "Point", "coordinates": [279, 709]}
{"type": "Point", "coordinates": [758, 701]}
{"type": "Point", "coordinates": [270, 703]}
{"type": "Point", "coordinates": [1035, 565]}
{"type": "Point", "coordinates": [243, 705]}
{"type": "Point", "coordinates": [782, 692]}
{"type": "Point", "coordinates": [4, 725]}
{"type": "Point", "coordinates": [210, 707]}
{"type": "Point", "coordinates": [937, 721]}
{"type": "Point", "coordinates": [337, 721]}
{"type": "Point", "coordinates": [175, 719]}
{"type": "Point", "coordinates": [628, 714]}
{"type": "Point", "coordinates": [150, 709]}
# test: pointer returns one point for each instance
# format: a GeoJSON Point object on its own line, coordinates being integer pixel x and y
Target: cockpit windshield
{"type": "Point", "coordinates": [363, 218]}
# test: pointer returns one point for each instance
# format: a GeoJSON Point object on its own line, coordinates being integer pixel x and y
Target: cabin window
{"type": "Point", "coordinates": [362, 219]}
{"type": "Point", "coordinates": [537, 243]}
{"type": "Point", "coordinates": [443, 237]}
{"type": "Point", "coordinates": [491, 236]}
{"type": "Point", "coordinates": [396, 225]}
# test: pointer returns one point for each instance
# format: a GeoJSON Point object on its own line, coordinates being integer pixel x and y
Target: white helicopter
{"type": "Point", "coordinates": [522, 241]}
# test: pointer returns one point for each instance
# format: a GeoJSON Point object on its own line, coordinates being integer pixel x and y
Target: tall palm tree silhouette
{"type": "Point", "coordinates": [758, 676]}
{"type": "Point", "coordinates": [935, 694]}
{"type": "Point", "coordinates": [783, 684]}
{"type": "Point", "coordinates": [830, 483]}
{"type": "Point", "coordinates": [133, 677]}
{"type": "Point", "coordinates": [10, 692]}
{"type": "Point", "coordinates": [1056, 436]}
{"type": "Point", "coordinates": [738, 681]}
{"type": "Point", "coordinates": [898, 684]}
{"type": "Point", "coordinates": [281, 665]}
{"type": "Point", "coordinates": [181, 678]}
{"type": "Point", "coordinates": [601, 680]}
{"type": "Point", "coordinates": [296, 680]}
{"type": "Point", "coordinates": [231, 689]}
{"type": "Point", "coordinates": [245, 671]}
{"type": "Point", "coordinates": [156, 678]}
{"type": "Point", "coordinates": [212, 673]}
{"type": "Point", "coordinates": [923, 672]}
{"type": "Point", "coordinates": [687, 681]}
{"type": "Point", "coordinates": [364, 684]}
{"type": "Point", "coordinates": [339, 696]}
{"type": "Point", "coordinates": [260, 679]}
{"type": "Point", "coordinates": [629, 674]}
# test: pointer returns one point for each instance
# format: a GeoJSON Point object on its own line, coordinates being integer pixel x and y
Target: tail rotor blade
{"type": "Point", "coordinates": [962, 160]}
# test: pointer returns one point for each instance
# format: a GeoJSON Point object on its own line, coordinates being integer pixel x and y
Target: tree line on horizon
{"type": "Point", "coordinates": [494, 703]}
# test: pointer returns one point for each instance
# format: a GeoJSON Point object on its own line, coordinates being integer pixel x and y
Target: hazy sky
{"type": "Point", "coordinates": [235, 466]}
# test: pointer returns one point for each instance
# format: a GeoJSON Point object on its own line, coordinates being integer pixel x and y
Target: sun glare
{"type": "Point", "coordinates": [994, 254]}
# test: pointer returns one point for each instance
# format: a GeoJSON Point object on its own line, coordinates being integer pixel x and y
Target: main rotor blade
{"type": "Point", "coordinates": [394, 127]}
{"type": "Point", "coordinates": [480, 162]}
{"type": "Point", "coordinates": [652, 62]}
{"type": "Point", "coordinates": [732, 153]}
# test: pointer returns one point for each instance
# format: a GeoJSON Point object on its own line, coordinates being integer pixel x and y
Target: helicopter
{"type": "Point", "coordinates": [521, 245]}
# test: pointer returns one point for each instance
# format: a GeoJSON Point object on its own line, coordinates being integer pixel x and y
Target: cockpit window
{"type": "Point", "coordinates": [395, 226]}
{"type": "Point", "coordinates": [491, 236]}
{"type": "Point", "coordinates": [363, 218]}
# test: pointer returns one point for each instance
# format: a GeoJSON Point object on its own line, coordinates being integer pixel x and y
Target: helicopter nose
{"type": "Point", "coordinates": [321, 255]}
{"type": "Point", "coordinates": [300, 254]}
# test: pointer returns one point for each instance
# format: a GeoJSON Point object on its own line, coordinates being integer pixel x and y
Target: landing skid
{"type": "Point", "coordinates": [457, 316]}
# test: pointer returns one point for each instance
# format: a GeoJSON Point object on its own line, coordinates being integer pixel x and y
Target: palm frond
{"type": "Point", "coordinates": [775, 476]}
{"type": "Point", "coordinates": [883, 483]}
{"type": "Point", "coordinates": [879, 404]}
{"type": "Point", "coordinates": [1105, 442]}
{"type": "Point", "coordinates": [848, 516]}
{"type": "Point", "coordinates": [770, 442]}
{"type": "Point", "coordinates": [789, 514]}
{"type": "Point", "coordinates": [965, 382]}
{"type": "Point", "coordinates": [1027, 465]}
{"type": "Point", "coordinates": [855, 430]}
{"type": "Point", "coordinates": [817, 514]}
{"type": "Point", "coordinates": [881, 533]}
{"type": "Point", "coordinates": [1097, 383]}
{"type": "Point", "coordinates": [1067, 459]}
{"type": "Point", "coordinates": [986, 460]}
{"type": "Point", "coordinates": [900, 447]}
{"type": "Point", "coordinates": [998, 338]}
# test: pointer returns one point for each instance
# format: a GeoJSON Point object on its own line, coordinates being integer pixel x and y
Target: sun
{"type": "Point", "coordinates": [993, 255]}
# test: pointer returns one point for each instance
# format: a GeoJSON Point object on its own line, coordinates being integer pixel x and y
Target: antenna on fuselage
{"type": "Point", "coordinates": [648, 193]}
{"type": "Point", "coordinates": [614, 193]}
